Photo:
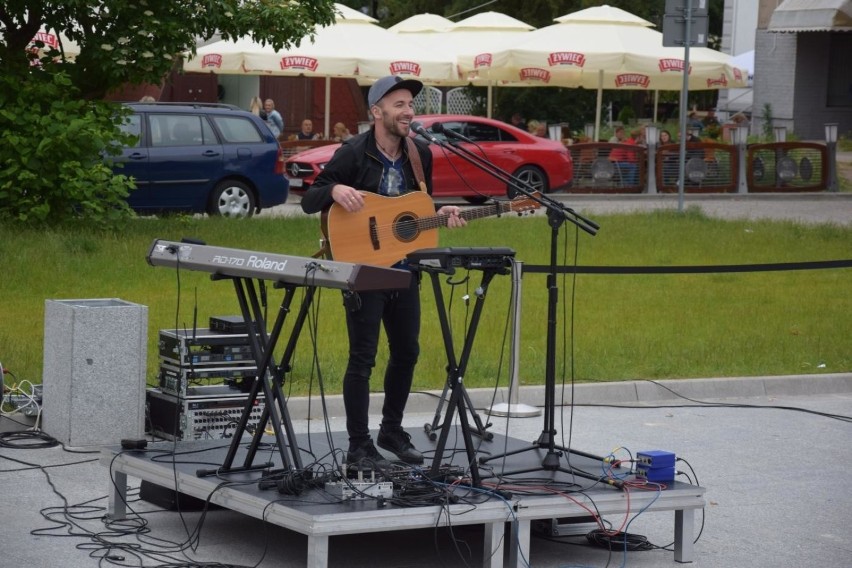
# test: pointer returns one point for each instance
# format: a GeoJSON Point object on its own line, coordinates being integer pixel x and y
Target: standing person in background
{"type": "Point", "coordinates": [256, 108]}
{"type": "Point", "coordinates": [386, 161]}
{"type": "Point", "coordinates": [273, 118]}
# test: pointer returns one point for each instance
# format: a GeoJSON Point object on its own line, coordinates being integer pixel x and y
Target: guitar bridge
{"type": "Point", "coordinates": [374, 233]}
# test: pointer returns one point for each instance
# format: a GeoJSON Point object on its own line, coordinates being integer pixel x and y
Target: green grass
{"type": "Point", "coordinates": [619, 327]}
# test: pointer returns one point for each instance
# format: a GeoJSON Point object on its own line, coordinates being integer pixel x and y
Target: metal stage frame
{"type": "Point", "coordinates": [320, 521]}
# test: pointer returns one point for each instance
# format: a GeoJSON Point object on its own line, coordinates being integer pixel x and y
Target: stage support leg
{"type": "Point", "coordinates": [684, 530]}
{"type": "Point", "coordinates": [117, 506]}
{"type": "Point", "coordinates": [492, 551]}
{"type": "Point", "coordinates": [519, 544]}
{"type": "Point", "coordinates": [317, 551]}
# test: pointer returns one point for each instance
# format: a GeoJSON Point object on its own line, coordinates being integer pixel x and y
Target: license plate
{"type": "Point", "coordinates": [295, 182]}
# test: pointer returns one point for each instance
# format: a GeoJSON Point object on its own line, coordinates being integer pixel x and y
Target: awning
{"type": "Point", "coordinates": [812, 16]}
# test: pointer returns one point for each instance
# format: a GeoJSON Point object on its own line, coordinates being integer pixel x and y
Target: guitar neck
{"type": "Point", "coordinates": [435, 221]}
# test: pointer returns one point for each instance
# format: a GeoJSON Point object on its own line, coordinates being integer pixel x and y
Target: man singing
{"type": "Point", "coordinates": [381, 161]}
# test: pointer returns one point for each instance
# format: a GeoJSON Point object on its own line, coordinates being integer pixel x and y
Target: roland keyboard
{"type": "Point", "coordinates": [447, 259]}
{"type": "Point", "coordinates": [286, 269]}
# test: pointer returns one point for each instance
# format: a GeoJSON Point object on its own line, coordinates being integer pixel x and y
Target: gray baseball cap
{"type": "Point", "coordinates": [392, 83]}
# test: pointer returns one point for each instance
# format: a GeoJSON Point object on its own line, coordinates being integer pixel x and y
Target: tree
{"type": "Point", "coordinates": [56, 132]}
{"type": "Point", "coordinates": [140, 41]}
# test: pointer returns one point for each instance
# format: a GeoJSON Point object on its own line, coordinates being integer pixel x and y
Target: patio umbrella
{"type": "Point", "coordinates": [607, 48]}
{"type": "Point", "coordinates": [57, 41]}
{"type": "Point", "coordinates": [470, 42]}
{"type": "Point", "coordinates": [354, 46]}
{"type": "Point", "coordinates": [421, 23]}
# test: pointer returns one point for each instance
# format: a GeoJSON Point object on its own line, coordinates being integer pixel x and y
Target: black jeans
{"type": "Point", "coordinates": [399, 311]}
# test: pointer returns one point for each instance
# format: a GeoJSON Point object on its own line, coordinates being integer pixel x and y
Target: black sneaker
{"type": "Point", "coordinates": [365, 456]}
{"type": "Point", "coordinates": [398, 441]}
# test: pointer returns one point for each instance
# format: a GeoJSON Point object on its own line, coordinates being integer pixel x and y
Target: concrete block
{"type": "Point", "coordinates": [94, 370]}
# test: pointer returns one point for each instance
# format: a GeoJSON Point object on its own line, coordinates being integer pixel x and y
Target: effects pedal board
{"type": "Point", "coordinates": [205, 413]}
{"type": "Point", "coordinates": [353, 489]}
{"type": "Point", "coordinates": [360, 488]}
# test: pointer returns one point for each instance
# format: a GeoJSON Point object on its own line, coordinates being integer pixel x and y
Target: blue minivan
{"type": "Point", "coordinates": [202, 158]}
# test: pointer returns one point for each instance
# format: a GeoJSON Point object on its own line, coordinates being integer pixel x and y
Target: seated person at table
{"type": "Point", "coordinates": [307, 131]}
{"type": "Point", "coordinates": [341, 133]}
{"type": "Point", "coordinates": [625, 159]}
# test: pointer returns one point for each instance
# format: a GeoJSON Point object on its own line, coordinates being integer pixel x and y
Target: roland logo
{"type": "Point", "coordinates": [264, 263]}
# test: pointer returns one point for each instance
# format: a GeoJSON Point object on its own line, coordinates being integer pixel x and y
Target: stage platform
{"type": "Point", "coordinates": [318, 515]}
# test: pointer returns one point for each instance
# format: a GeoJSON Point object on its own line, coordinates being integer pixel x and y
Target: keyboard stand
{"type": "Point", "coordinates": [459, 401]}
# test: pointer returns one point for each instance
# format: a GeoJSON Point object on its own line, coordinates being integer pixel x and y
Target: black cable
{"type": "Point", "coordinates": [619, 541]}
{"type": "Point", "coordinates": [32, 440]}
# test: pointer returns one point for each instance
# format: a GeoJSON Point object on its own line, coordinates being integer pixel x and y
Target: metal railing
{"type": "Point", "coordinates": [710, 167]}
{"type": "Point", "coordinates": [787, 166]}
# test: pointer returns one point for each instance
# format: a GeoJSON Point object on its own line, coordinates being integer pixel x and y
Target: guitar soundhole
{"type": "Point", "coordinates": [405, 227]}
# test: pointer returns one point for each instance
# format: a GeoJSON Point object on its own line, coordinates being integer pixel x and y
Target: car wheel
{"type": "Point", "coordinates": [533, 176]}
{"type": "Point", "coordinates": [476, 199]}
{"type": "Point", "coordinates": [231, 198]}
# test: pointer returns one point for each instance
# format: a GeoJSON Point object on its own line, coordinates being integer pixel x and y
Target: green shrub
{"type": "Point", "coordinates": [53, 145]}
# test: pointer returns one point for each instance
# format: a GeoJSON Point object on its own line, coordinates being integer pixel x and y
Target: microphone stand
{"type": "Point", "coordinates": [557, 214]}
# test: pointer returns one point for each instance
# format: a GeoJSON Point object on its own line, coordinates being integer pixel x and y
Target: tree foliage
{"type": "Point", "coordinates": [141, 41]}
{"type": "Point", "coordinates": [54, 146]}
{"type": "Point", "coordinates": [56, 133]}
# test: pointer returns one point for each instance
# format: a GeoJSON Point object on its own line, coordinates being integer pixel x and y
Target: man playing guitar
{"type": "Point", "coordinates": [385, 161]}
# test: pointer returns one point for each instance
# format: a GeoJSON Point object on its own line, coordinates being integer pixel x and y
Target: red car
{"type": "Point", "coordinates": [544, 164]}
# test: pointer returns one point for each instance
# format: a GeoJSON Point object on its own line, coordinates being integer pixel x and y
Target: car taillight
{"type": "Point", "coordinates": [279, 163]}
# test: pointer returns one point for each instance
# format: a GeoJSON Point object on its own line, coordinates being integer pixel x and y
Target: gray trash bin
{"type": "Point", "coordinates": [95, 361]}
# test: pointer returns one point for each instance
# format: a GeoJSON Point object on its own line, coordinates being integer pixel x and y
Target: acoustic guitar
{"type": "Point", "coordinates": [387, 228]}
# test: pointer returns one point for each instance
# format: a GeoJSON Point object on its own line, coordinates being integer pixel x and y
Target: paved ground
{"type": "Point", "coordinates": [772, 453]}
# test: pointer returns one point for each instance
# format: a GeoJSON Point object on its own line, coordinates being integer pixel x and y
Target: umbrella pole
{"type": "Point", "coordinates": [490, 97]}
{"type": "Point", "coordinates": [656, 103]}
{"type": "Point", "coordinates": [327, 105]}
{"type": "Point", "coordinates": [598, 106]}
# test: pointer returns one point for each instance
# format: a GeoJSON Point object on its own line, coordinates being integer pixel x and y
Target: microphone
{"type": "Point", "coordinates": [439, 127]}
{"type": "Point", "coordinates": [419, 129]}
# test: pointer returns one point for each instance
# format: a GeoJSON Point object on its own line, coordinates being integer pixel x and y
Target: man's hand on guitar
{"type": "Point", "coordinates": [453, 214]}
{"type": "Point", "coordinates": [348, 197]}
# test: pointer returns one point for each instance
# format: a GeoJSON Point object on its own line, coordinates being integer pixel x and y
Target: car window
{"type": "Point", "coordinates": [237, 129]}
{"type": "Point", "coordinates": [180, 130]}
{"type": "Point", "coordinates": [480, 132]}
{"type": "Point", "coordinates": [133, 125]}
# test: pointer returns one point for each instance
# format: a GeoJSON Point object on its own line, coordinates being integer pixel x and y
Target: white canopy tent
{"type": "Point", "coordinates": [354, 46]}
{"type": "Point", "coordinates": [469, 41]}
{"type": "Point", "coordinates": [605, 48]}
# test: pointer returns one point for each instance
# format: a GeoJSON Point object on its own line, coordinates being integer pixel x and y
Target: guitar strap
{"type": "Point", "coordinates": [416, 163]}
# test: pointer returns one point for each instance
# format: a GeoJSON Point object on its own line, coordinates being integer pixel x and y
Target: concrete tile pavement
{"type": "Point", "coordinates": [777, 490]}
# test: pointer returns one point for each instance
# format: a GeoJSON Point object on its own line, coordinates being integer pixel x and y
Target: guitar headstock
{"type": "Point", "coordinates": [523, 204]}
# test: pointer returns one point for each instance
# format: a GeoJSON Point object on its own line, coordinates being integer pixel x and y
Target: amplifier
{"type": "Point", "coordinates": [206, 413]}
{"type": "Point", "coordinates": [177, 380]}
{"type": "Point", "coordinates": [203, 346]}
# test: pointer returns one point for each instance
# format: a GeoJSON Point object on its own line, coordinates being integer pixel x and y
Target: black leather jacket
{"type": "Point", "coordinates": [356, 163]}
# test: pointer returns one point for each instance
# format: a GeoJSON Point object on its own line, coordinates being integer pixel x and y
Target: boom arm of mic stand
{"type": "Point", "coordinates": [495, 171]}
